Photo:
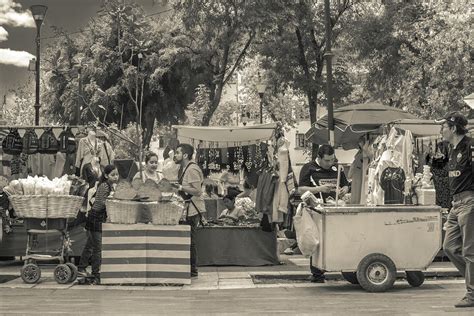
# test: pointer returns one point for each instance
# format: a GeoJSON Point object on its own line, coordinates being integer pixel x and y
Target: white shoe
{"type": "Point", "coordinates": [288, 251]}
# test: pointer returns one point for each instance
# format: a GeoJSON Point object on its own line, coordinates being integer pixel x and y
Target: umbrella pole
{"type": "Point", "coordinates": [337, 183]}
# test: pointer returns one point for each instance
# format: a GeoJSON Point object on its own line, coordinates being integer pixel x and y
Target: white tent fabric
{"type": "Point", "coordinates": [422, 128]}
{"type": "Point", "coordinates": [222, 137]}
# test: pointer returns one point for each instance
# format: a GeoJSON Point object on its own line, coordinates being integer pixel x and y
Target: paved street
{"type": "Point", "coordinates": [333, 298]}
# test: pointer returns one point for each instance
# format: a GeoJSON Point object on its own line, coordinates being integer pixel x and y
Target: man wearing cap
{"type": "Point", "coordinates": [459, 240]}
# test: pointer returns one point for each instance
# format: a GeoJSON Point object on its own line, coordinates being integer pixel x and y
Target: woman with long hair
{"type": "Point", "coordinates": [97, 215]}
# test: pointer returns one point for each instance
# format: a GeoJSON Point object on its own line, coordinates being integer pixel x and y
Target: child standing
{"type": "Point", "coordinates": [97, 215]}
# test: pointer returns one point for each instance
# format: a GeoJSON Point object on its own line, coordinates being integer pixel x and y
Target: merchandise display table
{"type": "Point", "coordinates": [236, 245]}
{"type": "Point", "coordinates": [145, 254]}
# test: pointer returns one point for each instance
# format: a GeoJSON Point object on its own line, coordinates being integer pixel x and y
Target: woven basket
{"type": "Point", "coordinates": [122, 211]}
{"type": "Point", "coordinates": [166, 213]}
{"type": "Point", "coordinates": [64, 206]}
{"type": "Point", "coordinates": [30, 206]}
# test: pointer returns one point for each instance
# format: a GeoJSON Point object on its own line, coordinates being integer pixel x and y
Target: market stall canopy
{"type": "Point", "coordinates": [421, 128]}
{"type": "Point", "coordinates": [222, 137]}
{"type": "Point", "coordinates": [353, 121]}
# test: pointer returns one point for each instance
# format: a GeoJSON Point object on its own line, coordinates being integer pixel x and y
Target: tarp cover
{"type": "Point", "coordinates": [420, 127]}
{"type": "Point", "coordinates": [222, 137]}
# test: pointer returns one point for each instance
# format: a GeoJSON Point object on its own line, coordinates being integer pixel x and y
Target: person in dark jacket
{"type": "Point", "coordinates": [97, 215]}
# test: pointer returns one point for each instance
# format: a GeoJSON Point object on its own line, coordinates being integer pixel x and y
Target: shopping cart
{"type": "Point", "coordinates": [47, 216]}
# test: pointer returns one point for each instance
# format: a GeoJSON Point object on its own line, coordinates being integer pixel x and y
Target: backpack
{"type": "Point", "coordinates": [67, 142]}
{"type": "Point", "coordinates": [48, 144]}
{"type": "Point", "coordinates": [30, 142]}
{"type": "Point", "coordinates": [12, 144]}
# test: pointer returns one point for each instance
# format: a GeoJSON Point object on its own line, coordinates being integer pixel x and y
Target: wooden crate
{"type": "Point", "coordinates": [145, 254]}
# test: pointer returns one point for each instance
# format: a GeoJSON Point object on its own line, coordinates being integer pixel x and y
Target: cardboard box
{"type": "Point", "coordinates": [426, 196]}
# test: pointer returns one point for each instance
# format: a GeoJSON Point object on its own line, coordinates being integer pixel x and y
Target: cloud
{"type": "Point", "coordinates": [3, 34]}
{"type": "Point", "coordinates": [15, 58]}
{"type": "Point", "coordinates": [12, 14]}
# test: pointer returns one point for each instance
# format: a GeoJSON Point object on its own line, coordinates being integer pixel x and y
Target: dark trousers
{"type": "Point", "coordinates": [92, 252]}
{"type": "Point", "coordinates": [193, 221]}
{"type": "Point", "coordinates": [315, 271]}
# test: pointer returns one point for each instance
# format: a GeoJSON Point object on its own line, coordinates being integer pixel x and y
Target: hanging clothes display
{"type": "Point", "coordinates": [392, 181]}
{"type": "Point", "coordinates": [393, 151]}
{"type": "Point", "coordinates": [88, 148]}
{"type": "Point", "coordinates": [281, 195]}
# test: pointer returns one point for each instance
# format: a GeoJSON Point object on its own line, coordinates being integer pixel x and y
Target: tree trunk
{"type": "Point", "coordinates": [213, 106]}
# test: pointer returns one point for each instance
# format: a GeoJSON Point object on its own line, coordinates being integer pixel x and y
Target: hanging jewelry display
{"type": "Point", "coordinates": [236, 159]}
{"type": "Point", "coordinates": [258, 155]}
{"type": "Point", "coordinates": [248, 161]}
{"type": "Point", "coordinates": [218, 159]}
{"type": "Point", "coordinates": [205, 156]}
{"type": "Point", "coordinates": [241, 157]}
{"type": "Point", "coordinates": [212, 165]}
{"type": "Point", "coordinates": [228, 158]}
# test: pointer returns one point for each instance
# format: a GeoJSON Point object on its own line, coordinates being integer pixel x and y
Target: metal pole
{"type": "Point", "coordinates": [79, 97]}
{"type": "Point", "coordinates": [328, 56]}
{"type": "Point", "coordinates": [37, 94]}
{"type": "Point", "coordinates": [261, 109]}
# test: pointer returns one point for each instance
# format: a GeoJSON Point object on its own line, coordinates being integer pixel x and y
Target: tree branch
{"type": "Point", "coordinates": [241, 56]}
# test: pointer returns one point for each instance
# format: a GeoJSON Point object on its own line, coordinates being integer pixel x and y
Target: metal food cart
{"type": "Point", "coordinates": [368, 244]}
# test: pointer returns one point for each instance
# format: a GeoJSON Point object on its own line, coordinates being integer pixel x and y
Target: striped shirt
{"type": "Point", "coordinates": [98, 213]}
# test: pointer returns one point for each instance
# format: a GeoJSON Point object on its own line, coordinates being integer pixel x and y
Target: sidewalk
{"type": "Point", "coordinates": [292, 273]}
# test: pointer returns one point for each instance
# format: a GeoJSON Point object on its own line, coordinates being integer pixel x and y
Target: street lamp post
{"type": "Point", "coordinates": [261, 87]}
{"type": "Point", "coordinates": [328, 55]}
{"type": "Point", "coordinates": [38, 12]}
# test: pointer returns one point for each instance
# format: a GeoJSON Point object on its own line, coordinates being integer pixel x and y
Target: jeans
{"type": "Point", "coordinates": [92, 252]}
{"type": "Point", "coordinates": [193, 221]}
{"type": "Point", "coordinates": [459, 239]}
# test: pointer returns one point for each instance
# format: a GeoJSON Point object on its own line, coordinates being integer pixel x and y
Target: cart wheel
{"type": "Point", "coordinates": [350, 277]}
{"type": "Point", "coordinates": [30, 273]}
{"type": "Point", "coordinates": [73, 271]}
{"type": "Point", "coordinates": [62, 273]}
{"type": "Point", "coordinates": [415, 278]}
{"type": "Point", "coordinates": [376, 273]}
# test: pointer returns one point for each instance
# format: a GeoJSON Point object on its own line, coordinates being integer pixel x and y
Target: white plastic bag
{"type": "Point", "coordinates": [307, 233]}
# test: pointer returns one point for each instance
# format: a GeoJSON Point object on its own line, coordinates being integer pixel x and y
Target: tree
{"type": "Point", "coordinates": [293, 47]}
{"type": "Point", "coordinates": [217, 36]}
{"type": "Point", "coordinates": [418, 55]}
{"type": "Point", "coordinates": [130, 73]}
{"type": "Point", "coordinates": [20, 111]}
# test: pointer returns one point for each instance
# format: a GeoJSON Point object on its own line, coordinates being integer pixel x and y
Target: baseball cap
{"type": "Point", "coordinates": [455, 118]}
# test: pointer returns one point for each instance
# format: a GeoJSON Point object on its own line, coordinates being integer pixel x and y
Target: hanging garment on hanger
{"type": "Point", "coordinates": [86, 150]}
{"type": "Point", "coordinates": [392, 181]}
{"type": "Point", "coordinates": [281, 196]}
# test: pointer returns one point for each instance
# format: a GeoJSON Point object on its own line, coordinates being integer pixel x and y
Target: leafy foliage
{"type": "Point", "coordinates": [418, 55]}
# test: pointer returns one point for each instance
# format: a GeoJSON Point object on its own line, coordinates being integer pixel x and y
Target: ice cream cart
{"type": "Point", "coordinates": [368, 244]}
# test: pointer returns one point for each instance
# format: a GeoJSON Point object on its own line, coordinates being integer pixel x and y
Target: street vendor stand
{"type": "Point", "coordinates": [370, 243]}
{"type": "Point", "coordinates": [229, 245]}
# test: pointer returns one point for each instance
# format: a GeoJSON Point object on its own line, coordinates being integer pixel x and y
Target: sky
{"type": "Point", "coordinates": [18, 32]}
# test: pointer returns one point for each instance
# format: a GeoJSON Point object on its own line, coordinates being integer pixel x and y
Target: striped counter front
{"type": "Point", "coordinates": [145, 254]}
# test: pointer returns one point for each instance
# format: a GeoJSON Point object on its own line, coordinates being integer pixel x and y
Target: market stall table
{"type": "Point", "coordinates": [145, 254]}
{"type": "Point", "coordinates": [236, 245]}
